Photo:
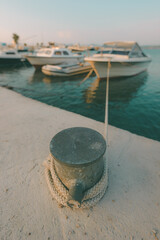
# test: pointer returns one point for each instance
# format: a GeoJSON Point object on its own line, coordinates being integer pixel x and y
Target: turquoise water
{"type": "Point", "coordinates": [134, 103]}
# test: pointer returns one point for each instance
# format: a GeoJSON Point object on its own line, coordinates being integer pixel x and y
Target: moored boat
{"type": "Point", "coordinates": [53, 56]}
{"type": "Point", "coordinates": [66, 70]}
{"type": "Point", "coordinates": [10, 57]}
{"type": "Point", "coordinates": [125, 58]}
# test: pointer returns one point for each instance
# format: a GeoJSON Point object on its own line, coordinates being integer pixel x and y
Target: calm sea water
{"type": "Point", "coordinates": [134, 103]}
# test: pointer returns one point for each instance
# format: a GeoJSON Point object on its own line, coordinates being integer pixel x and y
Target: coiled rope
{"type": "Point", "coordinates": [61, 194]}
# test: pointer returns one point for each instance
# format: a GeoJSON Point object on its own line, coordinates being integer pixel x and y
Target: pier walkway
{"type": "Point", "coordinates": [130, 208]}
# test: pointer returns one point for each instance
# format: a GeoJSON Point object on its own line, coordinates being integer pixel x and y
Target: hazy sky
{"type": "Point", "coordinates": [80, 21]}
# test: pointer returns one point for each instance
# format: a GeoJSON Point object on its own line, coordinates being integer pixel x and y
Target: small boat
{"type": "Point", "coordinates": [54, 56]}
{"type": "Point", "coordinates": [125, 58]}
{"type": "Point", "coordinates": [66, 70]}
{"type": "Point", "coordinates": [10, 57]}
{"type": "Point", "coordinates": [78, 48]}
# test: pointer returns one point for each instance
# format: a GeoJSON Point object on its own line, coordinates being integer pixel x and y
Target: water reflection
{"type": "Point", "coordinates": [14, 67]}
{"type": "Point", "coordinates": [38, 76]}
{"type": "Point", "coordinates": [120, 90]}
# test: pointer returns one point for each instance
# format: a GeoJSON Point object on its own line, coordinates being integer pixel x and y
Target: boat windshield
{"type": "Point", "coordinates": [103, 52]}
{"type": "Point", "coordinates": [58, 53]}
{"type": "Point", "coordinates": [65, 53]}
{"type": "Point", "coordinates": [120, 52]}
{"type": "Point", "coordinates": [132, 49]}
{"type": "Point", "coordinates": [116, 52]}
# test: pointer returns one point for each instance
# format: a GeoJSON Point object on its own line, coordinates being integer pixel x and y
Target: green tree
{"type": "Point", "coordinates": [15, 38]}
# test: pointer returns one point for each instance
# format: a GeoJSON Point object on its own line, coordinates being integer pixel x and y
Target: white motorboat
{"type": "Point", "coordinates": [54, 56]}
{"type": "Point", "coordinates": [125, 58]}
{"type": "Point", "coordinates": [66, 70]}
{"type": "Point", "coordinates": [9, 57]}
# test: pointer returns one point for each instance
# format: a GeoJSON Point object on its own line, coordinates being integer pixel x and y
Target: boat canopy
{"type": "Point", "coordinates": [131, 49]}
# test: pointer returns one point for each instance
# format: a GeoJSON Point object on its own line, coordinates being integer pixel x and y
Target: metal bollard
{"type": "Point", "coordinates": [78, 158]}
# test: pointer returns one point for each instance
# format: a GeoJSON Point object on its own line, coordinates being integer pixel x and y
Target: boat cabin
{"type": "Point", "coordinates": [126, 49]}
{"type": "Point", "coordinates": [51, 52]}
{"type": "Point", "coordinates": [9, 53]}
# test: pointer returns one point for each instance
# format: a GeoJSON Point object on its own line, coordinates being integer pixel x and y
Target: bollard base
{"type": "Point", "coordinates": [61, 194]}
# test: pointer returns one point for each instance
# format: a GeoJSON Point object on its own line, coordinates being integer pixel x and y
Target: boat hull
{"type": "Point", "coordinates": [119, 69]}
{"type": "Point", "coordinates": [61, 73]}
{"type": "Point", "coordinates": [38, 61]}
{"type": "Point", "coordinates": [10, 61]}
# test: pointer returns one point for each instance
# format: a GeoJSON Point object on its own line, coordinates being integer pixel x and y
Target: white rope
{"type": "Point", "coordinates": [61, 194]}
{"type": "Point", "coordinates": [106, 108]}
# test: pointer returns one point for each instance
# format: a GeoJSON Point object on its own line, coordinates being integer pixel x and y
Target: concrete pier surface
{"type": "Point", "coordinates": [130, 208]}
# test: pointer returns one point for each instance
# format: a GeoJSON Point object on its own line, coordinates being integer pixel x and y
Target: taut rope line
{"type": "Point", "coordinates": [106, 108]}
{"type": "Point", "coordinates": [91, 196]}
